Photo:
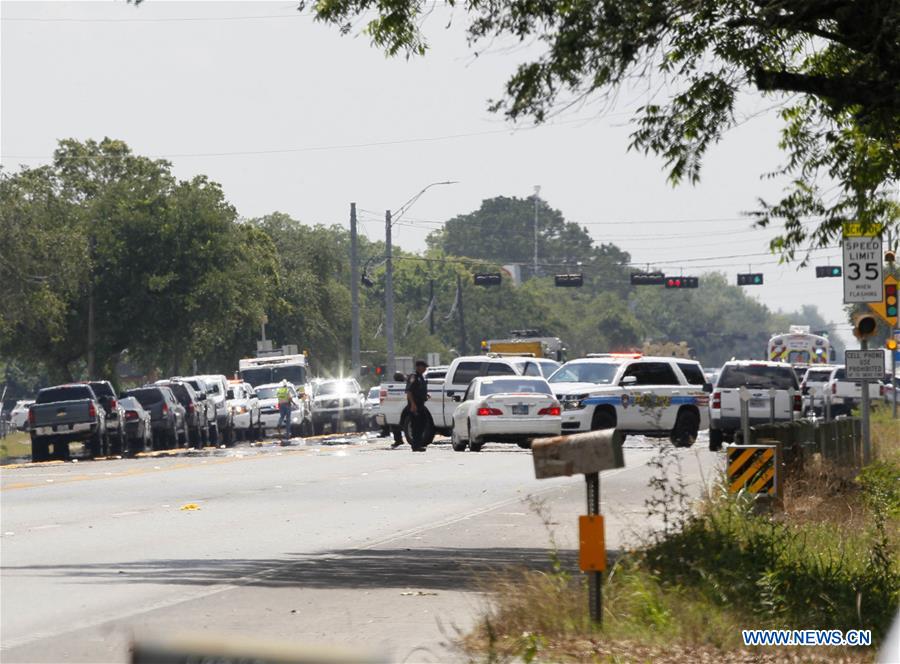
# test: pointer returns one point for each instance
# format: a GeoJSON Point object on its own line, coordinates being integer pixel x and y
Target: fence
{"type": "Point", "coordinates": [838, 441]}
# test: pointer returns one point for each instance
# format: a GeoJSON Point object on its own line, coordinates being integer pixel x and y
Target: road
{"type": "Point", "coordinates": [324, 542]}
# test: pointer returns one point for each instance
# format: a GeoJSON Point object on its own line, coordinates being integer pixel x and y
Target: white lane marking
{"type": "Point", "coordinates": [8, 644]}
{"type": "Point", "coordinates": [126, 513]}
{"type": "Point", "coordinates": [45, 527]}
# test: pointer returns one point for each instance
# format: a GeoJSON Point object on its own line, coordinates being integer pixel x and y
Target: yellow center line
{"type": "Point", "coordinates": [147, 471]}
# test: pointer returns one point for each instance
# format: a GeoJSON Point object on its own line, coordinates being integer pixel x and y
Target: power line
{"type": "Point", "coordinates": [314, 148]}
{"type": "Point", "coordinates": [36, 19]}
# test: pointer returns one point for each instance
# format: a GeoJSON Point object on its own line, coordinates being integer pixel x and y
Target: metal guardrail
{"type": "Point", "coordinates": [838, 441]}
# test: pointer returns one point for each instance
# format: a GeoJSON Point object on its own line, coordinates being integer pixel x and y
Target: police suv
{"type": "Point", "coordinates": [649, 396]}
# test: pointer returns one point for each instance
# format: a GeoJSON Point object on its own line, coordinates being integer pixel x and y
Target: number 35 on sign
{"type": "Point", "coordinates": [862, 269]}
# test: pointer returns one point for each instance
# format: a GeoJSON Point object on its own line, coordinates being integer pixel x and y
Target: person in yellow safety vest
{"type": "Point", "coordinates": [285, 405]}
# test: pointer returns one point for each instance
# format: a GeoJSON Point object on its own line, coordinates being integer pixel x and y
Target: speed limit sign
{"type": "Point", "coordinates": [863, 280]}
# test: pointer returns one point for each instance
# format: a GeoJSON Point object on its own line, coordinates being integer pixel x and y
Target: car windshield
{"type": "Point", "coordinates": [818, 376]}
{"type": "Point", "coordinates": [335, 387]}
{"type": "Point", "coordinates": [181, 393]}
{"type": "Point", "coordinates": [513, 386]}
{"type": "Point", "coordinates": [374, 392]}
{"type": "Point", "coordinates": [102, 389]}
{"type": "Point", "coordinates": [548, 367]}
{"type": "Point", "coordinates": [292, 373]}
{"type": "Point", "coordinates": [271, 392]}
{"type": "Point", "coordinates": [65, 393]}
{"type": "Point", "coordinates": [146, 397]}
{"type": "Point", "coordinates": [601, 373]}
{"type": "Point", "coordinates": [130, 403]}
{"type": "Point", "coordinates": [757, 376]}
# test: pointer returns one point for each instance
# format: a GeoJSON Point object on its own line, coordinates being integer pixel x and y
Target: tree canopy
{"type": "Point", "coordinates": [178, 277]}
{"type": "Point", "coordinates": [832, 65]}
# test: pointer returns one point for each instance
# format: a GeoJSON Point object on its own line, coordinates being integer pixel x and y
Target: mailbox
{"type": "Point", "coordinates": [580, 453]}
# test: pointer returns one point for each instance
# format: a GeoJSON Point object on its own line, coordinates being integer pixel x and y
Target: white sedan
{"type": "Point", "coordinates": [511, 409]}
{"type": "Point", "coordinates": [18, 417]}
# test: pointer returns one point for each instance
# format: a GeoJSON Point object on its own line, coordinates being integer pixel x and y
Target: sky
{"type": "Point", "coordinates": [290, 115]}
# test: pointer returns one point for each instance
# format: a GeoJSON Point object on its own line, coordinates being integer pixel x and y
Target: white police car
{"type": "Point", "coordinates": [649, 396]}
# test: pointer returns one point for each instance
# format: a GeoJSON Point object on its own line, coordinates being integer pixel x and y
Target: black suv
{"type": "Point", "coordinates": [167, 416]}
{"type": "Point", "coordinates": [195, 410]}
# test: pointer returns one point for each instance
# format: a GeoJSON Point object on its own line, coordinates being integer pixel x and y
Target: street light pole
{"type": "Point", "coordinates": [389, 220]}
{"type": "Point", "coordinates": [389, 296]}
{"type": "Point", "coordinates": [354, 295]}
{"type": "Point", "coordinates": [537, 193]}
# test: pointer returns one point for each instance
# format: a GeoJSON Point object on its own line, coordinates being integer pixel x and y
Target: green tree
{"type": "Point", "coordinates": [834, 66]}
{"type": "Point", "coordinates": [165, 262]}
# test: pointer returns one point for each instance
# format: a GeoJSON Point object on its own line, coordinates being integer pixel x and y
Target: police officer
{"type": "Point", "coordinates": [416, 395]}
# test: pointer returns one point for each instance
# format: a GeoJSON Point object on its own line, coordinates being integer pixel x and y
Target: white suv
{"type": "Point", "coordinates": [650, 396]}
{"type": "Point", "coordinates": [763, 380]}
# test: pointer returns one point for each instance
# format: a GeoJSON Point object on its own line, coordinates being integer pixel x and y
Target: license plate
{"type": "Point", "coordinates": [759, 403]}
{"type": "Point", "coordinates": [520, 410]}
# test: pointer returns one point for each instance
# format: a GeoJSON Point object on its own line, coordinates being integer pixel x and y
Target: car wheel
{"type": "Point", "coordinates": [94, 446]}
{"type": "Point", "coordinates": [306, 429]}
{"type": "Point", "coordinates": [603, 418]}
{"type": "Point", "coordinates": [318, 428]}
{"type": "Point", "coordinates": [685, 432]}
{"type": "Point", "coordinates": [456, 441]}
{"type": "Point", "coordinates": [40, 449]}
{"type": "Point", "coordinates": [475, 444]}
{"type": "Point", "coordinates": [214, 434]}
{"type": "Point", "coordinates": [716, 437]}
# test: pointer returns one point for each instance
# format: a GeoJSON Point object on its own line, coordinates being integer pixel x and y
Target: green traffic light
{"type": "Point", "coordinates": [836, 271]}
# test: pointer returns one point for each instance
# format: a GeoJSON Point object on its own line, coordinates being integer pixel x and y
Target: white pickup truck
{"type": "Point", "coordinates": [441, 403]}
{"type": "Point", "coordinates": [764, 382]}
{"type": "Point", "coordinates": [844, 395]}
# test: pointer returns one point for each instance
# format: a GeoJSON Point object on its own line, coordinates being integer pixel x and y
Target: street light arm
{"type": "Point", "coordinates": [412, 201]}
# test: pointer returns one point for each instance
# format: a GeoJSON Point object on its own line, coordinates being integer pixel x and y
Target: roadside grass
{"type": "Point", "coordinates": [885, 435]}
{"type": "Point", "coordinates": [15, 446]}
{"type": "Point", "coordinates": [828, 561]}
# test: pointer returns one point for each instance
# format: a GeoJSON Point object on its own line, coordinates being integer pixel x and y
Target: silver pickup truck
{"type": "Point", "coordinates": [67, 414]}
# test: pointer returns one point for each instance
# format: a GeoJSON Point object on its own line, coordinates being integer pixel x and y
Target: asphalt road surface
{"type": "Point", "coordinates": [338, 540]}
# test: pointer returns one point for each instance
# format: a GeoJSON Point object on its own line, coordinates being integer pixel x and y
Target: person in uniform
{"type": "Point", "coordinates": [416, 395]}
{"type": "Point", "coordinates": [285, 405]}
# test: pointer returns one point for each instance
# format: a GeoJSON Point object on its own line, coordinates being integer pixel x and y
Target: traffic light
{"type": "Point", "coordinates": [364, 370]}
{"type": "Point", "coordinates": [488, 279]}
{"type": "Point", "coordinates": [647, 278]}
{"type": "Point", "coordinates": [750, 279]}
{"type": "Point", "coordinates": [890, 300]}
{"type": "Point", "coordinates": [891, 344]}
{"type": "Point", "coordinates": [573, 280]}
{"type": "Point", "coordinates": [682, 282]}
{"type": "Point", "coordinates": [380, 369]}
{"type": "Point", "coordinates": [824, 271]}
{"type": "Point", "coordinates": [864, 326]}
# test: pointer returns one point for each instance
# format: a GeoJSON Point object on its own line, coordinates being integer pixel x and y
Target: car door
{"type": "Point", "coordinates": [647, 402]}
{"type": "Point", "coordinates": [457, 382]}
{"type": "Point", "coordinates": [463, 408]}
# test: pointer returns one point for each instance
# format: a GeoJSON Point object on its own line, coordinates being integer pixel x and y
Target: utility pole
{"type": "Point", "coordinates": [462, 320]}
{"type": "Point", "coordinates": [91, 334]}
{"type": "Point", "coordinates": [354, 295]}
{"type": "Point", "coordinates": [537, 193]}
{"type": "Point", "coordinates": [431, 307]}
{"type": "Point", "coordinates": [389, 295]}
